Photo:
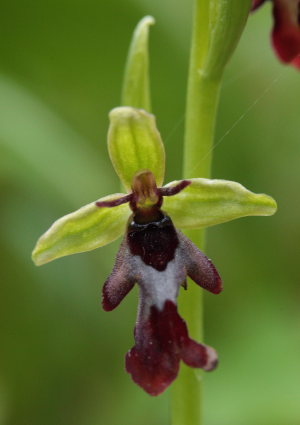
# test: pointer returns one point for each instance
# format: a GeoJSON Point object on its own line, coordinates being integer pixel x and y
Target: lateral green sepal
{"type": "Point", "coordinates": [83, 230]}
{"type": "Point", "coordinates": [134, 144]}
{"type": "Point", "coordinates": [208, 202]}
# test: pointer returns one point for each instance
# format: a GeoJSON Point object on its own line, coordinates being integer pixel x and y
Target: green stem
{"type": "Point", "coordinates": [201, 109]}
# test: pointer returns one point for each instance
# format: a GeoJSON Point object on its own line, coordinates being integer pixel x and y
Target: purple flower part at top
{"type": "Point", "coordinates": [257, 3]}
{"type": "Point", "coordinates": [286, 30]}
{"type": "Point", "coordinates": [159, 258]}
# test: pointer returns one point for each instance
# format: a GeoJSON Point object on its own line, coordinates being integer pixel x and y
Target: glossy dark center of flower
{"type": "Point", "coordinates": [155, 242]}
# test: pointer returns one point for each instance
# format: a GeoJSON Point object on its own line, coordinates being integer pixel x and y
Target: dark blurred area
{"type": "Point", "coordinates": [62, 357]}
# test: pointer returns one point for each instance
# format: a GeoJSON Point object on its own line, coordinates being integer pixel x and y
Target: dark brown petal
{"type": "Point", "coordinates": [198, 267]}
{"type": "Point", "coordinates": [114, 202]}
{"type": "Point", "coordinates": [173, 190]}
{"type": "Point", "coordinates": [121, 280]}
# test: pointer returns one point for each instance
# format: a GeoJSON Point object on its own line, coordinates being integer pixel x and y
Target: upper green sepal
{"type": "Point", "coordinates": [134, 144]}
{"type": "Point", "coordinates": [136, 85]}
{"type": "Point", "coordinates": [208, 202]}
{"type": "Point", "coordinates": [83, 230]}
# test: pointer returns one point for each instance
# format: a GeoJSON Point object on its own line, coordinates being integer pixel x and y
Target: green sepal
{"type": "Point", "coordinates": [83, 230]}
{"type": "Point", "coordinates": [136, 85]}
{"type": "Point", "coordinates": [208, 202]}
{"type": "Point", "coordinates": [134, 144]}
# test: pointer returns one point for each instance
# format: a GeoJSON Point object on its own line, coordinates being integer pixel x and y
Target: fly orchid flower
{"type": "Point", "coordinates": [154, 253]}
{"type": "Point", "coordinates": [286, 30]}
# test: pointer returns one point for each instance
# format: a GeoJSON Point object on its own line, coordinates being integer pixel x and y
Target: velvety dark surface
{"type": "Point", "coordinates": [154, 242]}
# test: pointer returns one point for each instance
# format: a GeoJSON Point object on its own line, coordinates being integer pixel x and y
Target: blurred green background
{"type": "Point", "coordinates": [61, 356]}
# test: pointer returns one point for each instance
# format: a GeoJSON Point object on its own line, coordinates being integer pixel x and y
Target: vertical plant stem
{"type": "Point", "coordinates": [201, 108]}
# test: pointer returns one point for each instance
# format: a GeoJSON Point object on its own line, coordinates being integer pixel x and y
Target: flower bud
{"type": "Point", "coordinates": [227, 19]}
{"type": "Point", "coordinates": [136, 85]}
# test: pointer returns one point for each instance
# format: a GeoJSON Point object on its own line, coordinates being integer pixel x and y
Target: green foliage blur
{"type": "Point", "coordinates": [61, 356]}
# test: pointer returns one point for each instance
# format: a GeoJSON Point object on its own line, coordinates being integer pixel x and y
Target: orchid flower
{"type": "Point", "coordinates": [286, 30]}
{"type": "Point", "coordinates": [154, 253]}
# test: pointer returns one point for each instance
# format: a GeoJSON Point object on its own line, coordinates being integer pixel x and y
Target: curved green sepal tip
{"type": "Point", "coordinates": [208, 202]}
{"type": "Point", "coordinates": [136, 85]}
{"type": "Point", "coordinates": [134, 144]}
{"type": "Point", "coordinates": [83, 230]}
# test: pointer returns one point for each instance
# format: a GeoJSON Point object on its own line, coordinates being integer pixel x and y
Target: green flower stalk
{"type": "Point", "coordinates": [217, 27]}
